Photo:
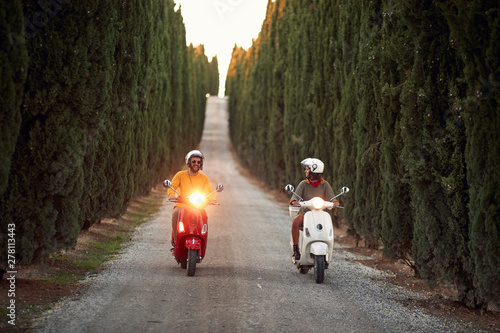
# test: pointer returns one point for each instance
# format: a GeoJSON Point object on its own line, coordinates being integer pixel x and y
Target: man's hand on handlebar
{"type": "Point", "coordinates": [294, 203]}
{"type": "Point", "coordinates": [176, 199]}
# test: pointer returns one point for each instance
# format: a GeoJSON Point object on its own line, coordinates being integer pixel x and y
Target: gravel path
{"type": "Point", "coordinates": [246, 283]}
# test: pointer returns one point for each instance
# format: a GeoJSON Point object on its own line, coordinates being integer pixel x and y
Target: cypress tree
{"type": "Point", "coordinates": [299, 128]}
{"type": "Point", "coordinates": [14, 60]}
{"type": "Point", "coordinates": [235, 88]}
{"type": "Point", "coordinates": [433, 152]}
{"type": "Point", "coordinates": [93, 125]}
{"type": "Point", "coordinates": [99, 83]}
{"type": "Point", "coordinates": [213, 76]}
{"type": "Point", "coordinates": [276, 125]}
{"type": "Point", "coordinates": [345, 144]}
{"type": "Point", "coordinates": [44, 190]}
{"type": "Point", "coordinates": [475, 35]}
{"type": "Point", "coordinates": [396, 215]}
{"type": "Point", "coordinates": [402, 104]}
{"type": "Point", "coordinates": [199, 64]}
{"type": "Point", "coordinates": [13, 71]}
{"type": "Point", "coordinates": [267, 128]}
{"type": "Point", "coordinates": [366, 196]}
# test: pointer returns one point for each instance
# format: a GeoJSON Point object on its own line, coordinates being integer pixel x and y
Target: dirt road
{"type": "Point", "coordinates": [246, 281]}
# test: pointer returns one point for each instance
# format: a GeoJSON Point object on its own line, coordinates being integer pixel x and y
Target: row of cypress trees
{"type": "Point", "coordinates": [100, 101]}
{"type": "Point", "coordinates": [400, 99]}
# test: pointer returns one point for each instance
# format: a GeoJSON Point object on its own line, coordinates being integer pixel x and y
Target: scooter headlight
{"type": "Point", "coordinates": [196, 199]}
{"type": "Point", "coordinates": [318, 203]}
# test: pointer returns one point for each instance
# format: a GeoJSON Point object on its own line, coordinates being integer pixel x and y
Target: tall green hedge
{"type": "Point", "coordinates": [475, 35]}
{"type": "Point", "coordinates": [101, 101]}
{"type": "Point", "coordinates": [14, 60]}
{"type": "Point", "coordinates": [400, 99]}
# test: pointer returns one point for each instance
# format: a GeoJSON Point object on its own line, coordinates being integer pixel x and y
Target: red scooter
{"type": "Point", "coordinates": [192, 228]}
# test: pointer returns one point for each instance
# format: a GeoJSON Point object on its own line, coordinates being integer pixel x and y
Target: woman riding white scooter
{"type": "Point", "coordinates": [313, 186]}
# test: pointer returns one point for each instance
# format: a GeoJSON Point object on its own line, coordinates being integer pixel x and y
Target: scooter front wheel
{"type": "Point", "coordinates": [191, 263]}
{"type": "Point", "coordinates": [319, 268]}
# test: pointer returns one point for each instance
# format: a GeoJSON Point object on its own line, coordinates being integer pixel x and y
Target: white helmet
{"type": "Point", "coordinates": [195, 153]}
{"type": "Point", "coordinates": [314, 164]}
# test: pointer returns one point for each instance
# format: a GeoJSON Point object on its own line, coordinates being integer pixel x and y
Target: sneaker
{"type": "Point", "coordinates": [296, 252]}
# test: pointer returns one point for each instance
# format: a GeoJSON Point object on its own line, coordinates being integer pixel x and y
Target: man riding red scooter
{"type": "Point", "coordinates": [191, 191]}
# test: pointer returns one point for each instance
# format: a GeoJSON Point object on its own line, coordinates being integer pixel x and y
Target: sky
{"type": "Point", "coordinates": [220, 24]}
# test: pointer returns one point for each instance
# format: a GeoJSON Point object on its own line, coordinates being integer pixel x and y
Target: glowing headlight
{"type": "Point", "coordinates": [196, 199]}
{"type": "Point", "coordinates": [318, 203]}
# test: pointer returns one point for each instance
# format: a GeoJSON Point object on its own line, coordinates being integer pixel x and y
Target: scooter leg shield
{"type": "Point", "coordinates": [193, 243]}
{"type": "Point", "coordinates": [319, 248]}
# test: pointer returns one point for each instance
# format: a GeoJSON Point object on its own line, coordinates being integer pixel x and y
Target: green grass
{"type": "Point", "coordinates": [99, 252]}
{"type": "Point", "coordinates": [64, 278]}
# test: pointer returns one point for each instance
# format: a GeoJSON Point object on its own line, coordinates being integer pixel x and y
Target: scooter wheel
{"type": "Point", "coordinates": [319, 268]}
{"type": "Point", "coordinates": [192, 258]}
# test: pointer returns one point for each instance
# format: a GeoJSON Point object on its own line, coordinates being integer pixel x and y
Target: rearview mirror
{"type": "Point", "coordinates": [219, 188]}
{"type": "Point", "coordinates": [289, 188]}
{"type": "Point", "coordinates": [344, 190]}
{"type": "Point", "coordinates": [167, 183]}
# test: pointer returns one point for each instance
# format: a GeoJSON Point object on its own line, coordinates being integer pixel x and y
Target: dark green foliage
{"type": "Point", "coordinates": [400, 99]}
{"type": "Point", "coordinates": [397, 218]}
{"type": "Point", "coordinates": [475, 27]}
{"type": "Point", "coordinates": [260, 120]}
{"type": "Point", "coordinates": [366, 128]}
{"type": "Point", "coordinates": [14, 60]}
{"type": "Point", "coordinates": [213, 76]}
{"type": "Point", "coordinates": [111, 103]}
{"type": "Point", "coordinates": [433, 152]}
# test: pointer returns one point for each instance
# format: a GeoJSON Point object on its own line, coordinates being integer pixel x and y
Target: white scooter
{"type": "Point", "coordinates": [316, 235]}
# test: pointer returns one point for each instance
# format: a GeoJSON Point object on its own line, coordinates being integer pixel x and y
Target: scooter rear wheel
{"type": "Point", "coordinates": [191, 263]}
{"type": "Point", "coordinates": [319, 268]}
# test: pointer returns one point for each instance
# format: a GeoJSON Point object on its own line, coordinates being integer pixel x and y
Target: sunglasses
{"type": "Point", "coordinates": [196, 162]}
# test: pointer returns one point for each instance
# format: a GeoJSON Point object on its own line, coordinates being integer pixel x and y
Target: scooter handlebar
{"type": "Point", "coordinates": [186, 199]}
{"type": "Point", "coordinates": [178, 199]}
{"type": "Point", "coordinates": [309, 204]}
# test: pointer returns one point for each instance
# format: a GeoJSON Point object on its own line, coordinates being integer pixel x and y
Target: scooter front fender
{"type": "Point", "coordinates": [319, 249]}
{"type": "Point", "coordinates": [193, 243]}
